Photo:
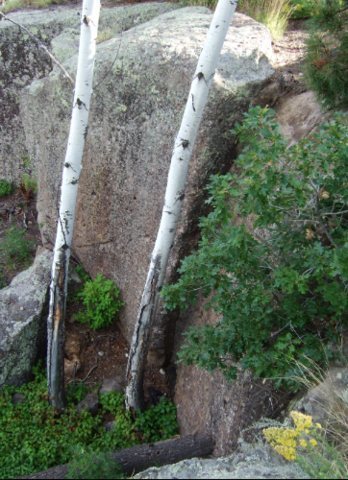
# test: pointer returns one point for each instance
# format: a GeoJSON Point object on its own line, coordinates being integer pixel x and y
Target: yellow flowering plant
{"type": "Point", "coordinates": [288, 440]}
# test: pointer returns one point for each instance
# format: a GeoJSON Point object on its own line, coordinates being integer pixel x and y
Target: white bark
{"type": "Point", "coordinates": [71, 174]}
{"type": "Point", "coordinates": [176, 182]}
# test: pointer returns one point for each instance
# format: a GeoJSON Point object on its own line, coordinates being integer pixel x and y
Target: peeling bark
{"type": "Point", "coordinates": [71, 174]}
{"type": "Point", "coordinates": [174, 196]}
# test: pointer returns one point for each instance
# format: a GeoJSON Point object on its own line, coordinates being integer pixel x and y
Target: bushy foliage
{"type": "Point", "coordinates": [34, 437]}
{"type": "Point", "coordinates": [102, 301]}
{"type": "Point", "coordinates": [6, 188]}
{"type": "Point", "coordinates": [326, 63]}
{"type": "Point", "coordinates": [272, 260]}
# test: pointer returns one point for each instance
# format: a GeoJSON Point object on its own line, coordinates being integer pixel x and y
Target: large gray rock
{"type": "Point", "coordinates": [22, 325]}
{"type": "Point", "coordinates": [250, 461]}
{"type": "Point", "coordinates": [142, 80]}
{"type": "Point", "coordinates": [21, 61]}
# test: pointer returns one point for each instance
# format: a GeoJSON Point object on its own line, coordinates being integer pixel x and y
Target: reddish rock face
{"type": "Point", "coordinates": [207, 402]}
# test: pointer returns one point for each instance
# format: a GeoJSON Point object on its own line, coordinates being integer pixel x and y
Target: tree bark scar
{"type": "Point", "coordinates": [148, 296]}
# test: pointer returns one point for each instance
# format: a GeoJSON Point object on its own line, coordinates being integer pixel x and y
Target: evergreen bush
{"type": "Point", "coordinates": [326, 63]}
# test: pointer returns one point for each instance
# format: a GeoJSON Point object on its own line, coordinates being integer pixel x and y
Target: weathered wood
{"type": "Point", "coordinates": [138, 458]}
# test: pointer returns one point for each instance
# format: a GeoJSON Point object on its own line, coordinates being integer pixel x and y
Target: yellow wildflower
{"type": "Point", "coordinates": [303, 443]}
{"type": "Point", "coordinates": [286, 452]}
{"type": "Point", "coordinates": [302, 422]}
{"type": "Point", "coordinates": [313, 442]}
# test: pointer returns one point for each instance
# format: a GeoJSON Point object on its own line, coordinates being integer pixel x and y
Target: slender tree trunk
{"type": "Point", "coordinates": [71, 174]}
{"type": "Point", "coordinates": [176, 182]}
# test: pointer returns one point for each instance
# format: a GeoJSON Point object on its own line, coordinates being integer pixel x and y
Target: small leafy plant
{"type": "Point", "coordinates": [102, 301]}
{"type": "Point", "coordinates": [272, 260]}
{"type": "Point", "coordinates": [6, 188]}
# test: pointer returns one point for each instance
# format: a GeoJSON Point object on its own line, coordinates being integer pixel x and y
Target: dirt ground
{"type": "Point", "coordinates": [92, 356]}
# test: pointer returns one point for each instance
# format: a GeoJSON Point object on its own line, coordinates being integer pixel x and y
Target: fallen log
{"type": "Point", "coordinates": [135, 459]}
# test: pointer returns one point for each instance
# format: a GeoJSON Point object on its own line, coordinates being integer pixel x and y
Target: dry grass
{"type": "Point", "coordinates": [329, 397]}
{"type": "Point", "coordinates": [274, 14]}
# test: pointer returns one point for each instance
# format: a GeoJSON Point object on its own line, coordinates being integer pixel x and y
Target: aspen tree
{"type": "Point", "coordinates": [174, 194]}
{"type": "Point", "coordinates": [71, 174]}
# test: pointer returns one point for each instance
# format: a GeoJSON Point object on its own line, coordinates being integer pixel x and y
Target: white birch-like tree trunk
{"type": "Point", "coordinates": [174, 195]}
{"type": "Point", "coordinates": [71, 174]}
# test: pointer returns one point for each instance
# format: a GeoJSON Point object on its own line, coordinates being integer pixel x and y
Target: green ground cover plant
{"type": "Point", "coordinates": [272, 260]}
{"type": "Point", "coordinates": [102, 302]}
{"type": "Point", "coordinates": [34, 437]}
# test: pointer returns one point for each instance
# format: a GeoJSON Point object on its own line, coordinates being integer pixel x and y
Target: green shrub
{"type": "Point", "coordinates": [34, 437]}
{"type": "Point", "coordinates": [326, 62]}
{"type": "Point", "coordinates": [273, 256]}
{"type": "Point", "coordinates": [6, 188]}
{"type": "Point", "coordinates": [15, 249]}
{"type": "Point", "coordinates": [102, 301]}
